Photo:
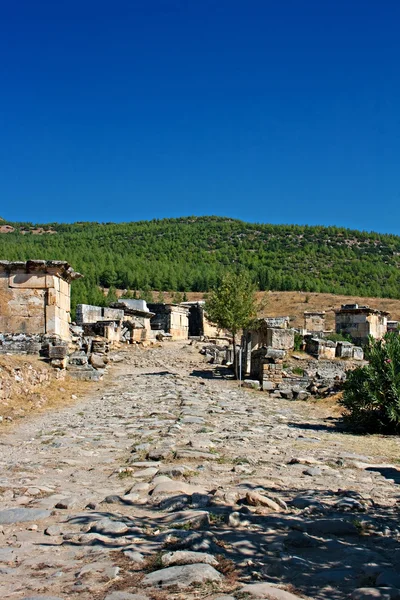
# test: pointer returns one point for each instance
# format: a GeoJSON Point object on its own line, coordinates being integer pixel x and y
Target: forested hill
{"type": "Point", "coordinates": [191, 254]}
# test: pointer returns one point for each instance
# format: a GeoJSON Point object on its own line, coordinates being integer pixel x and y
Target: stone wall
{"type": "Point", "coordinates": [314, 321]}
{"type": "Point", "coordinates": [35, 297]}
{"type": "Point", "coordinates": [172, 319]}
{"type": "Point", "coordinates": [360, 324]}
{"type": "Point", "coordinates": [281, 339]}
{"type": "Point", "coordinates": [86, 313]}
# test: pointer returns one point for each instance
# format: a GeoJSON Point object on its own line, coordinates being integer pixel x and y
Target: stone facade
{"type": "Point", "coordinates": [320, 348]}
{"type": "Point", "coordinates": [281, 339]}
{"type": "Point", "coordinates": [35, 297]}
{"type": "Point", "coordinates": [314, 321]}
{"type": "Point", "coordinates": [199, 325]}
{"type": "Point", "coordinates": [270, 331]}
{"type": "Point", "coordinates": [360, 322]}
{"type": "Point", "coordinates": [86, 313]}
{"type": "Point", "coordinates": [172, 319]}
{"type": "Point", "coordinates": [136, 320]}
{"type": "Point", "coordinates": [393, 327]}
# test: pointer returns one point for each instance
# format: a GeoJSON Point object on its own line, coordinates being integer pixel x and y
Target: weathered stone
{"type": "Point", "coordinates": [334, 526]}
{"type": "Point", "coordinates": [182, 576]}
{"type": "Point", "coordinates": [370, 593]}
{"type": "Point", "coordinates": [185, 557]}
{"type": "Point", "coordinates": [22, 515]}
{"type": "Point", "coordinates": [256, 499]}
{"type": "Point", "coordinates": [267, 591]}
{"type": "Point", "coordinates": [126, 596]}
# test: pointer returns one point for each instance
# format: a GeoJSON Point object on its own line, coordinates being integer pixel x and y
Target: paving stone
{"type": "Point", "coordinates": [370, 593]}
{"type": "Point", "coordinates": [22, 515]}
{"type": "Point", "coordinates": [185, 557]}
{"type": "Point", "coordinates": [267, 591]}
{"type": "Point", "coordinates": [183, 576]}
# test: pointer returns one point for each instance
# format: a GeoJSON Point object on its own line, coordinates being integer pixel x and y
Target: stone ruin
{"type": "Point", "coordinates": [170, 320]}
{"type": "Point", "coordinates": [35, 304]}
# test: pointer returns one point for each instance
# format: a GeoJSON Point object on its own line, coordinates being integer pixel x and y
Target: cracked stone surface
{"type": "Point", "coordinates": [170, 475]}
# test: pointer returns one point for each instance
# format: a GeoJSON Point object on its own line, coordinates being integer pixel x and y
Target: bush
{"type": "Point", "coordinates": [371, 397]}
{"type": "Point", "coordinates": [298, 341]}
{"type": "Point", "coordinates": [338, 337]}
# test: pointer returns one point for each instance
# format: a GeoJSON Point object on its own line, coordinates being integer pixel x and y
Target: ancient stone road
{"type": "Point", "coordinates": [171, 482]}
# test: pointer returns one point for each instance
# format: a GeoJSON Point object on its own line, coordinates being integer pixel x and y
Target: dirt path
{"type": "Point", "coordinates": [111, 497]}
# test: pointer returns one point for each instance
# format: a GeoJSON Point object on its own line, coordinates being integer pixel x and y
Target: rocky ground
{"type": "Point", "coordinates": [171, 482]}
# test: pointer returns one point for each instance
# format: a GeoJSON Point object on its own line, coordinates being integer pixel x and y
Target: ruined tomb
{"type": "Point", "coordinates": [172, 319]}
{"type": "Point", "coordinates": [360, 322]}
{"type": "Point", "coordinates": [314, 321]}
{"type": "Point", "coordinates": [35, 302]}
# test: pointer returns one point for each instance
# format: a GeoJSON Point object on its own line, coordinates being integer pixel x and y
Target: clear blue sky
{"type": "Point", "coordinates": [284, 111]}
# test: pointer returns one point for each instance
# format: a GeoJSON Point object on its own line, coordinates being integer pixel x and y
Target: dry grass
{"type": "Point", "coordinates": [54, 393]}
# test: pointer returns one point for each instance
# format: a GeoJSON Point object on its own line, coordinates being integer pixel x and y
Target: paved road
{"type": "Point", "coordinates": [171, 475]}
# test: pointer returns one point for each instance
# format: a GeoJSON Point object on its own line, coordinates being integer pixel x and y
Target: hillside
{"type": "Point", "coordinates": [191, 254]}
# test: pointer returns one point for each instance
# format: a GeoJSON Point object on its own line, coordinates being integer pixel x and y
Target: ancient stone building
{"type": "Point", "coordinates": [136, 320]}
{"type": "Point", "coordinates": [199, 325]}
{"type": "Point", "coordinates": [35, 298]}
{"type": "Point", "coordinates": [270, 332]}
{"type": "Point", "coordinates": [170, 318]}
{"type": "Point", "coordinates": [100, 321]}
{"type": "Point", "coordinates": [314, 321]}
{"type": "Point", "coordinates": [360, 322]}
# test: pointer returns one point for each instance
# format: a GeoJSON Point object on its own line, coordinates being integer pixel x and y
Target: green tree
{"type": "Point", "coordinates": [232, 306]}
{"type": "Point", "coordinates": [371, 397]}
{"type": "Point", "coordinates": [177, 297]}
{"type": "Point", "coordinates": [146, 294]}
{"type": "Point", "coordinates": [160, 297]}
{"type": "Point", "coordinates": [112, 295]}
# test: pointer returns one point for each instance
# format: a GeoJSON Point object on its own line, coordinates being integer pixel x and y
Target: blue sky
{"type": "Point", "coordinates": [273, 111]}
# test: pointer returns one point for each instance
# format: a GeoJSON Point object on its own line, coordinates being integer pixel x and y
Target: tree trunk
{"type": "Point", "coordinates": [235, 357]}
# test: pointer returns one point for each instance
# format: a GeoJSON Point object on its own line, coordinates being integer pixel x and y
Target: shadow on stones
{"type": "Point", "coordinates": [217, 373]}
{"type": "Point", "coordinates": [336, 425]}
{"type": "Point", "coordinates": [321, 550]}
{"type": "Point", "coordinates": [388, 472]}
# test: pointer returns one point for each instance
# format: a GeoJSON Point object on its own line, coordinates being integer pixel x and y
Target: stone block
{"type": "Point", "coordinates": [64, 287]}
{"type": "Point", "coordinates": [64, 302]}
{"type": "Point", "coordinates": [27, 281]}
{"type": "Point", "coordinates": [281, 339]}
{"type": "Point", "coordinates": [358, 353]}
{"type": "Point", "coordinates": [251, 384]}
{"type": "Point", "coordinates": [58, 351]}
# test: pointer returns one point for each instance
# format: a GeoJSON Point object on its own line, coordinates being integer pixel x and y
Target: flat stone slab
{"type": "Point", "coordinates": [182, 576]}
{"type": "Point", "coordinates": [9, 516]}
{"type": "Point", "coordinates": [267, 591]}
{"type": "Point", "coordinates": [126, 596]}
{"type": "Point", "coordinates": [41, 598]}
{"type": "Point", "coordinates": [186, 557]}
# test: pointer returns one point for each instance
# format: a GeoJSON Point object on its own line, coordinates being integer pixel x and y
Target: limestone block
{"type": "Point", "coordinates": [56, 284]}
{"type": "Point", "coordinates": [64, 287]}
{"type": "Point", "coordinates": [4, 281]}
{"type": "Point", "coordinates": [64, 302]}
{"type": "Point", "coordinates": [18, 307]}
{"type": "Point", "coordinates": [50, 281]}
{"type": "Point", "coordinates": [28, 281]}
{"type": "Point", "coordinates": [64, 329]}
{"type": "Point", "coordinates": [52, 297]}
{"type": "Point", "coordinates": [282, 339]}
{"type": "Point", "coordinates": [18, 324]}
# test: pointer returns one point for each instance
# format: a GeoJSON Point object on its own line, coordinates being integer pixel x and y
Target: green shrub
{"type": "Point", "coordinates": [298, 341]}
{"type": "Point", "coordinates": [338, 337]}
{"type": "Point", "coordinates": [298, 371]}
{"type": "Point", "coordinates": [371, 397]}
